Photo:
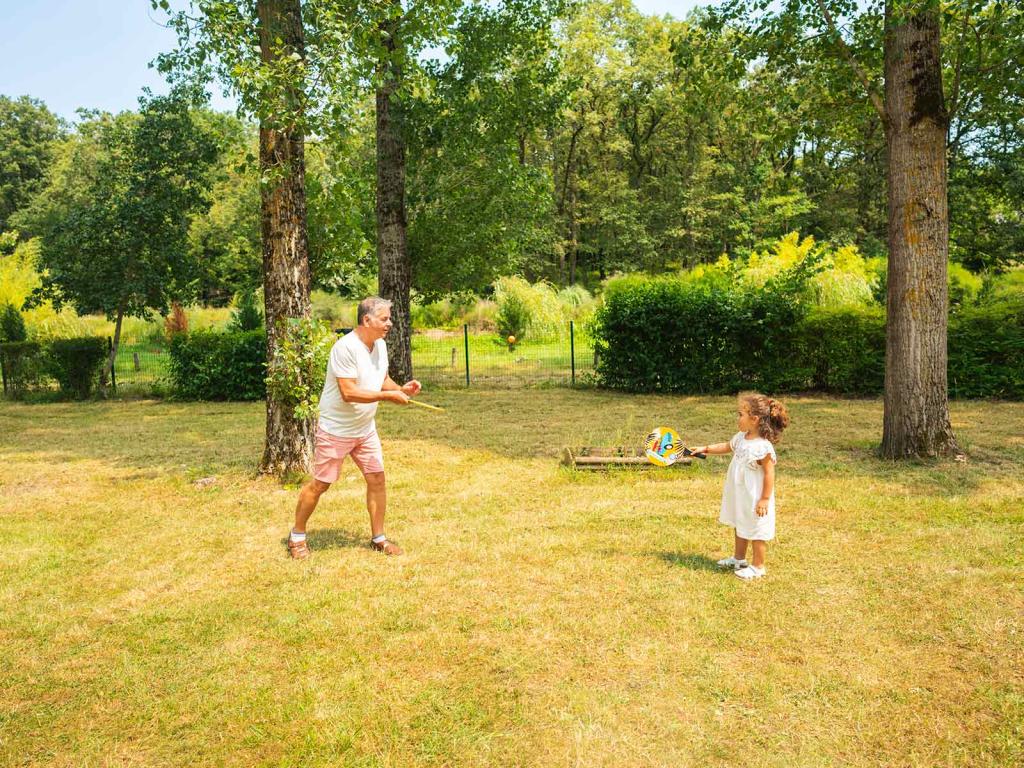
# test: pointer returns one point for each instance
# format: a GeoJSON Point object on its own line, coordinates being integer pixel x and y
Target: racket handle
{"type": "Point", "coordinates": [688, 452]}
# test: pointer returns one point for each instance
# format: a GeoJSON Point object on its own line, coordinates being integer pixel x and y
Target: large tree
{"type": "Point", "coordinates": [286, 275]}
{"type": "Point", "coordinates": [259, 51]}
{"type": "Point", "coordinates": [916, 419]}
{"type": "Point", "coordinates": [114, 215]}
{"type": "Point", "coordinates": [394, 270]}
{"type": "Point", "coordinates": [914, 111]}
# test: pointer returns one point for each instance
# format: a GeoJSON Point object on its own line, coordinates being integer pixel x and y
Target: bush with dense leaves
{"type": "Point", "coordinates": [296, 376]}
{"type": "Point", "coordinates": [986, 350]}
{"type": "Point", "coordinates": [12, 324]}
{"type": "Point", "coordinates": [20, 366]}
{"type": "Point", "coordinates": [246, 315]}
{"type": "Point", "coordinates": [209, 365]}
{"type": "Point", "coordinates": [842, 350]}
{"type": "Point", "coordinates": [674, 336]}
{"type": "Point", "coordinates": [671, 335]}
{"type": "Point", "coordinates": [76, 363]}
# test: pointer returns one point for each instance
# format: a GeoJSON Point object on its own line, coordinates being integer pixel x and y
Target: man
{"type": "Point", "coordinates": [357, 379]}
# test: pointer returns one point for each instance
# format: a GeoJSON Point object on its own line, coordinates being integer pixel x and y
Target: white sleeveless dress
{"type": "Point", "coordinates": [743, 485]}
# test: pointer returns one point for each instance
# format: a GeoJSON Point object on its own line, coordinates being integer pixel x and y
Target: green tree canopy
{"type": "Point", "coordinates": [28, 132]}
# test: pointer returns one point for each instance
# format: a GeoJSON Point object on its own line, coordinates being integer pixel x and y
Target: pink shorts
{"type": "Point", "coordinates": [330, 453]}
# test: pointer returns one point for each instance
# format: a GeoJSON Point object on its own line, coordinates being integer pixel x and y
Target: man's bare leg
{"type": "Point", "coordinates": [308, 498]}
{"type": "Point", "coordinates": [376, 505]}
{"type": "Point", "coordinates": [376, 501]}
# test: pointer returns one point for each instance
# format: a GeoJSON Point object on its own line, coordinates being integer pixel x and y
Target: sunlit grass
{"type": "Point", "coordinates": [540, 617]}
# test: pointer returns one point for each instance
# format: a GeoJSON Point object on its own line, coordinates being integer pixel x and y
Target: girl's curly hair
{"type": "Point", "coordinates": [771, 415]}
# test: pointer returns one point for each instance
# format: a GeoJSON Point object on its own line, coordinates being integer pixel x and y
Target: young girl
{"type": "Point", "coordinates": [748, 499]}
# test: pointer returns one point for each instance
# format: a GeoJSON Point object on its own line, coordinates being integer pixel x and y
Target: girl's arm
{"type": "Point", "coordinates": [768, 487]}
{"type": "Point", "coordinates": [713, 448]}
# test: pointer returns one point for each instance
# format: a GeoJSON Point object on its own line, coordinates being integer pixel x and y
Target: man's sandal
{"type": "Point", "coordinates": [298, 549]}
{"type": "Point", "coordinates": [387, 547]}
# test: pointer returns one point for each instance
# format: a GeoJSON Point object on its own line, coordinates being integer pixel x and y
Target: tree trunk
{"type": "Point", "coordinates": [395, 272]}
{"type": "Point", "coordinates": [286, 277]}
{"type": "Point", "coordinates": [108, 368]}
{"type": "Point", "coordinates": [574, 236]}
{"type": "Point", "coordinates": [916, 418]}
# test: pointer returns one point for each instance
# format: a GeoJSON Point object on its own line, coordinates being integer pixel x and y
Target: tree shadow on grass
{"type": "Point", "coordinates": [331, 538]}
{"type": "Point", "coordinates": [691, 561]}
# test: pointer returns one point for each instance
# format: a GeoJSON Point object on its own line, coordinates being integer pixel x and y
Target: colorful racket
{"type": "Point", "coordinates": [664, 448]}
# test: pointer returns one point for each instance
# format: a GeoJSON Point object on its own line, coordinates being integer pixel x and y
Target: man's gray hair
{"type": "Point", "coordinates": [371, 305]}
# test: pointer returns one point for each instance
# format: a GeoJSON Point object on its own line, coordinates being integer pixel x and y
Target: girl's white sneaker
{"type": "Point", "coordinates": [733, 563]}
{"type": "Point", "coordinates": [750, 572]}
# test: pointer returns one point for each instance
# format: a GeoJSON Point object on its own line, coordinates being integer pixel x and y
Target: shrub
{"type": "Point", "coordinates": [844, 349]}
{"type": "Point", "coordinates": [513, 315]}
{"type": "Point", "coordinates": [212, 365]}
{"type": "Point", "coordinates": [76, 363]}
{"type": "Point", "coordinates": [436, 314]}
{"type": "Point", "coordinates": [666, 334]}
{"type": "Point", "coordinates": [12, 324]}
{"type": "Point", "coordinates": [176, 322]}
{"type": "Point", "coordinates": [296, 376]}
{"type": "Point", "coordinates": [482, 316]}
{"type": "Point", "coordinates": [986, 350]}
{"type": "Point", "coordinates": [247, 315]}
{"type": "Point", "coordinates": [964, 286]}
{"type": "Point", "coordinates": [1007, 285]}
{"type": "Point", "coordinates": [21, 367]}
{"type": "Point", "coordinates": [528, 310]}
{"type": "Point", "coordinates": [671, 335]}
{"type": "Point", "coordinates": [333, 310]}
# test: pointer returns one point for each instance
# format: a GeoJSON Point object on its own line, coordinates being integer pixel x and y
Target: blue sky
{"type": "Point", "coordinates": [75, 53]}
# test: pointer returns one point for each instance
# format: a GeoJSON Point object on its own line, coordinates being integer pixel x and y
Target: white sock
{"type": "Point", "coordinates": [379, 538]}
{"type": "Point", "coordinates": [297, 536]}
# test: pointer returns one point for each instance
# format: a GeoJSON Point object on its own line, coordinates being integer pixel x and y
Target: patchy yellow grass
{"type": "Point", "coordinates": [541, 618]}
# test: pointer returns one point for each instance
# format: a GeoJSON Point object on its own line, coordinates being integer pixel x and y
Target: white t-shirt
{"type": "Point", "coordinates": [350, 359]}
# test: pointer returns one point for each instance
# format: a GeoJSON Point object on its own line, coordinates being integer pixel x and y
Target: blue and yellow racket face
{"type": "Point", "coordinates": [663, 447]}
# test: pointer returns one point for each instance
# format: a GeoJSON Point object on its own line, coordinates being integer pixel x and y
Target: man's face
{"type": "Point", "coordinates": [379, 322]}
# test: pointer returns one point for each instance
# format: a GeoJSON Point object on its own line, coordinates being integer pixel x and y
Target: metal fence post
{"type": "Point", "coordinates": [572, 351]}
{"type": "Point", "coordinates": [465, 339]}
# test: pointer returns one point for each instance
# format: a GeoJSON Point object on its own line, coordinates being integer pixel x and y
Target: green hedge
{"type": "Point", "coordinates": [667, 335]}
{"type": "Point", "coordinates": [843, 350]}
{"type": "Point", "coordinates": [986, 351]}
{"type": "Point", "coordinates": [208, 365]}
{"type": "Point", "coordinates": [76, 364]}
{"type": "Point", "coordinates": [21, 366]}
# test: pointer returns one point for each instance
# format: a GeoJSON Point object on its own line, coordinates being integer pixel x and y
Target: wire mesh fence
{"type": "Point", "coordinates": [443, 358]}
{"type": "Point", "coordinates": [141, 364]}
{"type": "Point", "coordinates": [461, 358]}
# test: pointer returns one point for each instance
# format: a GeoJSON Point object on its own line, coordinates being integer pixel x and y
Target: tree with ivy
{"type": "Point", "coordinates": [282, 59]}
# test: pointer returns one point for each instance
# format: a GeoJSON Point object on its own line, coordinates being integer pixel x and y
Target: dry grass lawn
{"type": "Point", "coordinates": [541, 617]}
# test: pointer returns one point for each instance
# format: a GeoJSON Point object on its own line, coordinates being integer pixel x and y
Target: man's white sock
{"type": "Point", "coordinates": [379, 538]}
{"type": "Point", "coordinates": [297, 536]}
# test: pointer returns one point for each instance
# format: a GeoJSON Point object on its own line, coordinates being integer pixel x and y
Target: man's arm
{"type": "Point", "coordinates": [411, 387]}
{"type": "Point", "coordinates": [351, 393]}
